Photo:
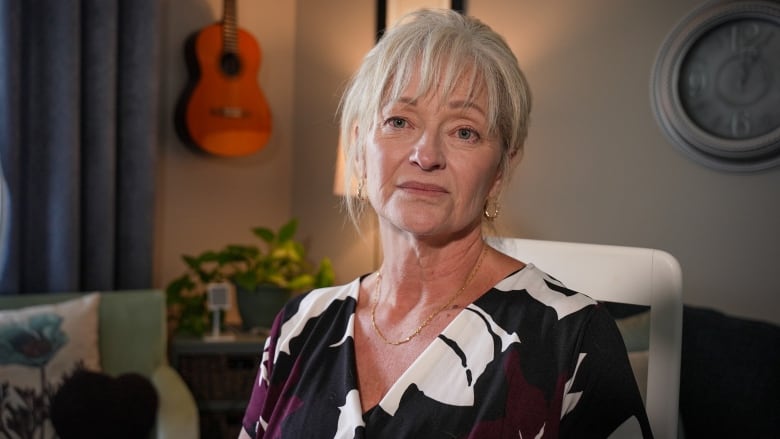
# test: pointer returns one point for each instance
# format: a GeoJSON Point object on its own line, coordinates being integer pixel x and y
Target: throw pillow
{"type": "Point", "coordinates": [91, 404]}
{"type": "Point", "coordinates": [635, 330]}
{"type": "Point", "coordinates": [40, 346]}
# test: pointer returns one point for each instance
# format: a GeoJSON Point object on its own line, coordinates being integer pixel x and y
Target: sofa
{"type": "Point", "coordinates": [730, 376]}
{"type": "Point", "coordinates": [132, 339]}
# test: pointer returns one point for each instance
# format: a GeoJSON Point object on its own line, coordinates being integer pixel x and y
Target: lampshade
{"type": "Point", "coordinates": [338, 177]}
{"type": "Point", "coordinates": [338, 189]}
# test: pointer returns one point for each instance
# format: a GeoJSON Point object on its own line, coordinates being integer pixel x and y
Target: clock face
{"type": "Point", "coordinates": [716, 85]}
{"type": "Point", "coordinates": [729, 81]}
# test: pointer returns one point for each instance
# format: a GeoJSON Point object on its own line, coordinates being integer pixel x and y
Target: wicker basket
{"type": "Point", "coordinates": [219, 377]}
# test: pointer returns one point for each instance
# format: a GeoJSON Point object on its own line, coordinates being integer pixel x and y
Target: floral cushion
{"type": "Point", "coordinates": [40, 346]}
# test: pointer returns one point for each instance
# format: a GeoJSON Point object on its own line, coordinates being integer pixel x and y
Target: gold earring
{"type": "Point", "coordinates": [360, 195]}
{"type": "Point", "coordinates": [492, 209]}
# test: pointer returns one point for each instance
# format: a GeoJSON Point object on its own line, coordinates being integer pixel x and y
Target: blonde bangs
{"type": "Point", "coordinates": [442, 61]}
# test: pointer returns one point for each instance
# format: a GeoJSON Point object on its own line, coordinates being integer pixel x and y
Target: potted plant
{"type": "Point", "coordinates": [264, 278]}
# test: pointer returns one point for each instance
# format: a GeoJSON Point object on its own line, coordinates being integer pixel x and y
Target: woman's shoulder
{"type": "Point", "coordinates": [314, 302]}
{"type": "Point", "coordinates": [546, 315]}
{"type": "Point", "coordinates": [332, 306]}
{"type": "Point", "coordinates": [536, 287]}
{"type": "Point", "coordinates": [334, 292]}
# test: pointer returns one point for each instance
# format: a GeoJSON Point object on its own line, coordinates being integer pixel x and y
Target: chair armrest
{"type": "Point", "coordinates": [177, 415]}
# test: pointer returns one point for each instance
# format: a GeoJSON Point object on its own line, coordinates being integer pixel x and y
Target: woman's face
{"type": "Point", "coordinates": [430, 164]}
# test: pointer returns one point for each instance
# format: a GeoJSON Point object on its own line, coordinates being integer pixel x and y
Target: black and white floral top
{"type": "Point", "coordinates": [528, 359]}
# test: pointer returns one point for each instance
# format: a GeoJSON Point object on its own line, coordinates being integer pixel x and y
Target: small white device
{"type": "Point", "coordinates": [218, 296]}
{"type": "Point", "coordinates": [217, 300]}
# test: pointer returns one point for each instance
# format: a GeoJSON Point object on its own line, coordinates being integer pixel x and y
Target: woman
{"type": "Point", "coordinates": [449, 338]}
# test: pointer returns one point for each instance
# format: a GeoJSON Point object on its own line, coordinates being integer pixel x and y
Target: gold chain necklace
{"type": "Point", "coordinates": [430, 317]}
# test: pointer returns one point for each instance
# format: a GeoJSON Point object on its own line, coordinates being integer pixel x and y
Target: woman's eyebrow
{"type": "Point", "coordinates": [466, 104]}
{"type": "Point", "coordinates": [457, 104]}
{"type": "Point", "coordinates": [406, 100]}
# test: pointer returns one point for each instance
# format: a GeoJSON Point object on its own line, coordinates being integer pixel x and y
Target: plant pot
{"type": "Point", "coordinates": [258, 308]}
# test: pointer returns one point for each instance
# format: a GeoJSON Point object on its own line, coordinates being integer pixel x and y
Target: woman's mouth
{"type": "Point", "coordinates": [422, 188]}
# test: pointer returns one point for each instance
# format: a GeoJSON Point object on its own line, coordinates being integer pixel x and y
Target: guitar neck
{"type": "Point", "coordinates": [229, 27]}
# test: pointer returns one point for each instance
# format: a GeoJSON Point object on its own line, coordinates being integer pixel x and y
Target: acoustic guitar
{"type": "Point", "coordinates": [223, 110]}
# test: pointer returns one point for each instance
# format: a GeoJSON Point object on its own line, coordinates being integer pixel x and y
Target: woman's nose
{"type": "Point", "coordinates": [428, 152]}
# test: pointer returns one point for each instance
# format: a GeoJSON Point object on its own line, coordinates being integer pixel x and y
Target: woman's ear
{"type": "Point", "coordinates": [498, 182]}
{"type": "Point", "coordinates": [359, 165]}
{"type": "Point", "coordinates": [358, 144]}
{"type": "Point", "coordinates": [503, 172]}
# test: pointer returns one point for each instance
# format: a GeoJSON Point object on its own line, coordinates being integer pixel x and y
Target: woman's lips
{"type": "Point", "coordinates": [415, 186]}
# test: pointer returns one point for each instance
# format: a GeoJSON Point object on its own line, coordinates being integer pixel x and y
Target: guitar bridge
{"type": "Point", "coordinates": [230, 112]}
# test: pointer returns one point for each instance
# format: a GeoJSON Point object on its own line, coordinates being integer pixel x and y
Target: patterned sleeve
{"type": "Point", "coordinates": [259, 401]}
{"type": "Point", "coordinates": [603, 397]}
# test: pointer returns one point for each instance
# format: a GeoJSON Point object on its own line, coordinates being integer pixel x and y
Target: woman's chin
{"type": "Point", "coordinates": [429, 225]}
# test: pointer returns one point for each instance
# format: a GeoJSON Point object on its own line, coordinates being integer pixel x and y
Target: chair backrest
{"type": "Point", "coordinates": [133, 331]}
{"type": "Point", "coordinates": [630, 275]}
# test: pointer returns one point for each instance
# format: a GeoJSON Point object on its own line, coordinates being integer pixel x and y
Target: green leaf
{"type": "Point", "coordinates": [289, 251]}
{"type": "Point", "coordinates": [325, 275]}
{"type": "Point", "coordinates": [267, 235]}
{"type": "Point", "coordinates": [301, 282]}
{"type": "Point", "coordinates": [279, 261]}
{"type": "Point", "coordinates": [246, 280]}
{"type": "Point", "coordinates": [191, 261]}
{"type": "Point", "coordinates": [208, 256]}
{"type": "Point", "coordinates": [278, 280]}
{"type": "Point", "coordinates": [287, 231]}
{"type": "Point", "coordinates": [175, 288]}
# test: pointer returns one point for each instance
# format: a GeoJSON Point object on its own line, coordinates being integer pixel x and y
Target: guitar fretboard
{"type": "Point", "coordinates": [229, 27]}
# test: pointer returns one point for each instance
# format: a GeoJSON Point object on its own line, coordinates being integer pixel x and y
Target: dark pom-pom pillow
{"type": "Point", "coordinates": [95, 405]}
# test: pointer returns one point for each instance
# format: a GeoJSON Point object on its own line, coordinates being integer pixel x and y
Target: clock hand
{"type": "Point", "coordinates": [748, 59]}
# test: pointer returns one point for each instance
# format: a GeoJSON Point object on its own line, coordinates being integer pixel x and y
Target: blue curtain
{"type": "Point", "coordinates": [78, 143]}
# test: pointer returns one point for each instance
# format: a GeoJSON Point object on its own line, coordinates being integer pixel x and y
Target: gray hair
{"type": "Point", "coordinates": [446, 47]}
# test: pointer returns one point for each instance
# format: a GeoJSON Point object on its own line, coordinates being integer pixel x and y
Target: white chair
{"type": "Point", "coordinates": [630, 275]}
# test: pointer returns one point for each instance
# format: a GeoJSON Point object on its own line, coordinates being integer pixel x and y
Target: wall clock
{"type": "Point", "coordinates": [715, 86]}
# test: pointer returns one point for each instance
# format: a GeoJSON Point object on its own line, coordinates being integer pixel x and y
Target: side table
{"type": "Point", "coordinates": [220, 374]}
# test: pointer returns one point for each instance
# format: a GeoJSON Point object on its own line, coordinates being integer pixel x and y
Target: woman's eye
{"type": "Point", "coordinates": [396, 122]}
{"type": "Point", "coordinates": [466, 134]}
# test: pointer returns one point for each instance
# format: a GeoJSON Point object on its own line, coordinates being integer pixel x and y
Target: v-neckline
{"type": "Point", "coordinates": [410, 368]}
{"type": "Point", "coordinates": [448, 329]}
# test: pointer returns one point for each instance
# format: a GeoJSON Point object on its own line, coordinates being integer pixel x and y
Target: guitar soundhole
{"type": "Point", "coordinates": [230, 64]}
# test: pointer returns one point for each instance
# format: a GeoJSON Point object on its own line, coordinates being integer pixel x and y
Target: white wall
{"type": "Point", "coordinates": [332, 38]}
{"type": "Point", "coordinates": [597, 167]}
{"type": "Point", "coordinates": [204, 201]}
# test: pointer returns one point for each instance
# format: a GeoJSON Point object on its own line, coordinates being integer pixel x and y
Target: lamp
{"type": "Point", "coordinates": [338, 178]}
{"type": "Point", "coordinates": [339, 190]}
